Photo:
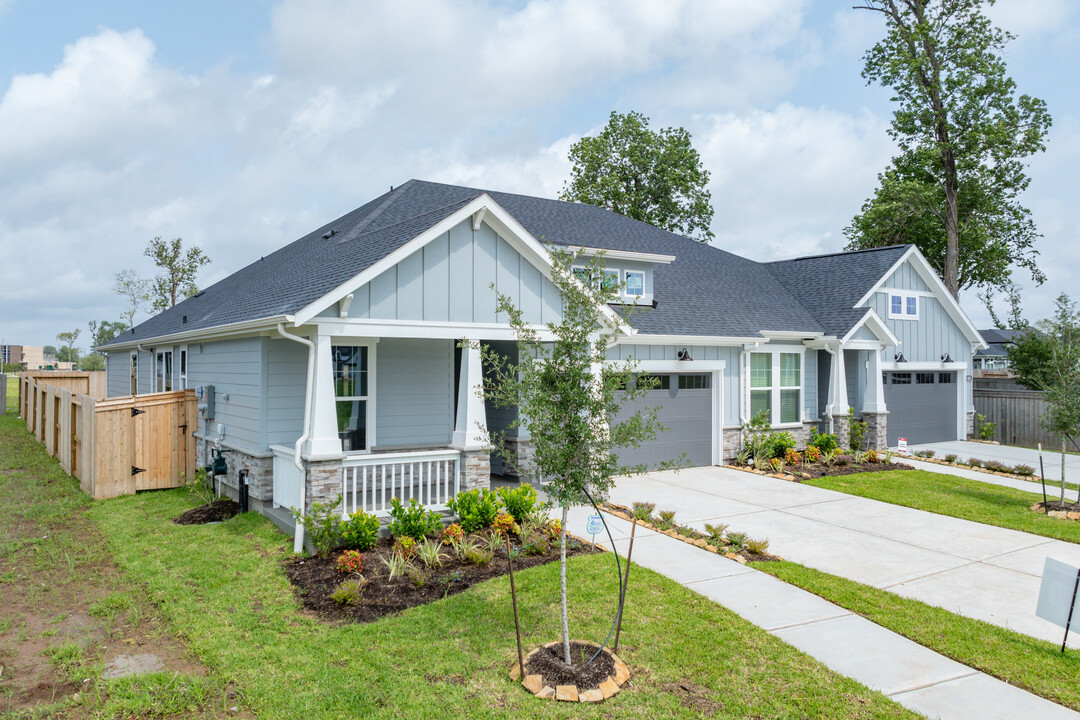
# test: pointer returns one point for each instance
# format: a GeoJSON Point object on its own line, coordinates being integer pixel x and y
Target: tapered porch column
{"type": "Point", "coordinates": [841, 426]}
{"type": "Point", "coordinates": [875, 388]}
{"type": "Point", "coordinates": [470, 428]}
{"type": "Point", "coordinates": [324, 438]}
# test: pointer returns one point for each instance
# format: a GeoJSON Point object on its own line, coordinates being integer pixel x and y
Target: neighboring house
{"type": "Point", "coordinates": [346, 343]}
{"type": "Point", "coordinates": [994, 359]}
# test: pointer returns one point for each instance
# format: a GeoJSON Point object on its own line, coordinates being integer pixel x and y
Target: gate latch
{"type": "Point", "coordinates": [137, 411]}
{"type": "Point", "coordinates": [136, 470]}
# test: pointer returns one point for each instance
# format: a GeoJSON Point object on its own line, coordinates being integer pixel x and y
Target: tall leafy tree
{"type": "Point", "coordinates": [103, 332]}
{"type": "Point", "coordinates": [964, 135]}
{"type": "Point", "coordinates": [135, 291]}
{"type": "Point", "coordinates": [655, 177]}
{"type": "Point", "coordinates": [68, 352]}
{"type": "Point", "coordinates": [178, 271]}
{"type": "Point", "coordinates": [566, 393]}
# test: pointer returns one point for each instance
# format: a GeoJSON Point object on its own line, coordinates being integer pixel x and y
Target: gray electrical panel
{"type": "Point", "coordinates": [204, 394]}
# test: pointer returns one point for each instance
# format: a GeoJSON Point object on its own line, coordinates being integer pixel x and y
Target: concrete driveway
{"type": "Point", "coordinates": [980, 571]}
{"type": "Point", "coordinates": [1009, 455]}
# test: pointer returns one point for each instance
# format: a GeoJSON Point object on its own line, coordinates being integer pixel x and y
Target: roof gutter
{"type": "Point", "coordinates": [204, 334]}
{"type": "Point", "coordinates": [298, 531]}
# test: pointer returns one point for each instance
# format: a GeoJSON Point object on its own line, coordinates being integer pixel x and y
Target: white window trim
{"type": "Point", "coordinates": [182, 369]}
{"type": "Point", "coordinates": [904, 296]}
{"type": "Point", "coordinates": [776, 352]}
{"type": "Point", "coordinates": [133, 371]}
{"type": "Point", "coordinates": [156, 355]}
{"type": "Point", "coordinates": [371, 346]}
{"type": "Point", "coordinates": [626, 283]}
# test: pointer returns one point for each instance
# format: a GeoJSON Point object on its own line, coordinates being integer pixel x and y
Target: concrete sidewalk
{"type": "Point", "coordinates": [1008, 454]}
{"type": "Point", "coordinates": [905, 671]}
{"type": "Point", "coordinates": [1052, 491]}
{"type": "Point", "coordinates": [981, 571]}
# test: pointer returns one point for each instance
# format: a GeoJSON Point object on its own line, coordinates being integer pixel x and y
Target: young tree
{"type": "Point", "coordinates": [135, 290]}
{"type": "Point", "coordinates": [179, 269]}
{"type": "Point", "coordinates": [92, 362]}
{"type": "Point", "coordinates": [566, 393]}
{"type": "Point", "coordinates": [68, 352]}
{"type": "Point", "coordinates": [653, 177]}
{"type": "Point", "coordinates": [963, 135]}
{"type": "Point", "coordinates": [105, 331]}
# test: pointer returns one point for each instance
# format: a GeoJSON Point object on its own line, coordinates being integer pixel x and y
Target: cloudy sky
{"type": "Point", "coordinates": [242, 126]}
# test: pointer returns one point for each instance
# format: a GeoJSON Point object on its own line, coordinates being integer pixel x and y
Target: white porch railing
{"type": "Point", "coordinates": [371, 481]}
{"type": "Point", "coordinates": [287, 478]}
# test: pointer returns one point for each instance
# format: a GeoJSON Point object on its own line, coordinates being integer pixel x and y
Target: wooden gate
{"type": "Point", "coordinates": [144, 442]}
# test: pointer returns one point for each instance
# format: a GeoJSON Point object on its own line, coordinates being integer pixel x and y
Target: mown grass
{"type": "Point", "coordinates": [1034, 665]}
{"type": "Point", "coordinates": [223, 586]}
{"type": "Point", "coordinates": [956, 497]}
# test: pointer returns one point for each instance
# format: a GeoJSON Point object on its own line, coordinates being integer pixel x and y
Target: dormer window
{"type": "Point", "coordinates": [635, 283]}
{"type": "Point", "coordinates": [903, 306]}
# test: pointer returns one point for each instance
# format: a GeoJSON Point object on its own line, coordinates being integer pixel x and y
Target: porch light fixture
{"type": "Point", "coordinates": [684, 354]}
{"type": "Point", "coordinates": [899, 357]}
{"type": "Point", "coordinates": [946, 358]}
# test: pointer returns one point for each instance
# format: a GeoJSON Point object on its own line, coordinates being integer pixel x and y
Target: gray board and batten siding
{"type": "Point", "coordinates": [450, 278]}
{"type": "Point", "coordinates": [934, 333]}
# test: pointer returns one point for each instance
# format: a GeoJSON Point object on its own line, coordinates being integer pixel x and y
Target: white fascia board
{"type": "Point", "coordinates": [876, 325]}
{"type": "Point", "coordinates": [364, 328]}
{"type": "Point", "coordinates": [790, 335]}
{"type": "Point", "coordinates": [504, 224]}
{"type": "Point", "coordinates": [248, 327]}
{"type": "Point", "coordinates": [640, 339]}
{"type": "Point", "coordinates": [618, 254]}
{"type": "Point", "coordinates": [939, 291]}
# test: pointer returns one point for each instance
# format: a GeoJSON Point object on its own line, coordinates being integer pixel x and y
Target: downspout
{"type": "Point", "coordinates": [834, 366]}
{"type": "Point", "coordinates": [298, 533]}
{"type": "Point", "coordinates": [744, 390]}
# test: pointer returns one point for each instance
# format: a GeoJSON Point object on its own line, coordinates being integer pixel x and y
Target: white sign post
{"type": "Point", "coordinates": [1057, 595]}
{"type": "Point", "coordinates": [901, 446]}
{"type": "Point", "coordinates": [594, 525]}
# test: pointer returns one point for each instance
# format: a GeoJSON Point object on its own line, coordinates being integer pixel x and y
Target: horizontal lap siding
{"type": "Point", "coordinates": [413, 392]}
{"type": "Point", "coordinates": [810, 385]}
{"type": "Point", "coordinates": [286, 383]}
{"type": "Point", "coordinates": [118, 374]}
{"type": "Point", "coordinates": [234, 368]}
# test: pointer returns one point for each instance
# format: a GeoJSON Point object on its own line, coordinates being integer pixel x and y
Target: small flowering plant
{"type": "Point", "coordinates": [553, 529]}
{"type": "Point", "coordinates": [405, 546]}
{"type": "Point", "coordinates": [792, 457]}
{"type": "Point", "coordinates": [504, 523]}
{"type": "Point", "coordinates": [351, 562]}
{"type": "Point", "coordinates": [813, 454]}
{"type": "Point", "coordinates": [452, 534]}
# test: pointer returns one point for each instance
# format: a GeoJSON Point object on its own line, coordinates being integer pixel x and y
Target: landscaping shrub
{"type": "Point", "coordinates": [504, 524]}
{"type": "Point", "coordinates": [792, 457]}
{"type": "Point", "coordinates": [666, 520]}
{"type": "Point", "coordinates": [452, 534]}
{"type": "Point", "coordinates": [872, 456]}
{"type": "Point", "coordinates": [974, 462]}
{"type": "Point", "coordinates": [951, 458]}
{"type": "Point", "coordinates": [776, 465]}
{"type": "Point", "coordinates": [360, 531]}
{"type": "Point", "coordinates": [760, 443]}
{"type": "Point", "coordinates": [716, 533]}
{"type": "Point", "coordinates": [1025, 470]}
{"type": "Point", "coordinates": [986, 429]}
{"type": "Point", "coordinates": [553, 529]}
{"type": "Point", "coordinates": [777, 444]}
{"type": "Point", "coordinates": [823, 442]}
{"type": "Point", "coordinates": [812, 454]}
{"type": "Point", "coordinates": [856, 432]}
{"type": "Point", "coordinates": [405, 546]}
{"type": "Point", "coordinates": [842, 460]}
{"type": "Point", "coordinates": [350, 561]}
{"type": "Point", "coordinates": [413, 521]}
{"type": "Point", "coordinates": [518, 501]}
{"type": "Point", "coordinates": [430, 553]}
{"type": "Point", "coordinates": [475, 508]}
{"type": "Point", "coordinates": [349, 591]}
{"type": "Point", "coordinates": [995, 465]}
{"type": "Point", "coordinates": [322, 523]}
{"type": "Point", "coordinates": [737, 540]}
{"type": "Point", "coordinates": [396, 564]}
{"type": "Point", "coordinates": [758, 547]}
{"type": "Point", "coordinates": [643, 511]}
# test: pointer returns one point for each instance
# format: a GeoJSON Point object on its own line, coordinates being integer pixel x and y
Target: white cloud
{"type": "Point", "coordinates": [1029, 18]}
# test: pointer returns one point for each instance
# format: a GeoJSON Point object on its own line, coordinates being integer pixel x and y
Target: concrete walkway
{"type": "Point", "coordinates": [1052, 491]}
{"type": "Point", "coordinates": [1008, 454]}
{"type": "Point", "coordinates": [905, 671]}
{"type": "Point", "coordinates": [976, 570]}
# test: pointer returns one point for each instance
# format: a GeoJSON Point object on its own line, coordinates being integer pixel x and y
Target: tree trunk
{"type": "Point", "coordinates": [952, 227]}
{"type": "Point", "coordinates": [562, 578]}
{"type": "Point", "coordinates": [1063, 471]}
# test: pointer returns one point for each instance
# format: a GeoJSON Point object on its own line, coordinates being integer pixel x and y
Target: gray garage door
{"type": "Point", "coordinates": [921, 405]}
{"type": "Point", "coordinates": [685, 403]}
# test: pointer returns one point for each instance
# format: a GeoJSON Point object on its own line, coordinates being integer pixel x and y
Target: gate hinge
{"type": "Point", "coordinates": [137, 411]}
{"type": "Point", "coordinates": [136, 470]}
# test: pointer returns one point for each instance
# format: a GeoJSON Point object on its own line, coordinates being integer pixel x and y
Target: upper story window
{"type": "Point", "coordinates": [776, 386]}
{"type": "Point", "coordinates": [635, 283]}
{"type": "Point", "coordinates": [903, 306]}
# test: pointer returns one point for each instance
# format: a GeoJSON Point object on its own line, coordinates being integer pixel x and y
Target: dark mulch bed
{"type": "Point", "coordinates": [216, 511]}
{"type": "Point", "coordinates": [315, 578]}
{"type": "Point", "coordinates": [1058, 505]}
{"type": "Point", "coordinates": [551, 666]}
{"type": "Point", "coordinates": [809, 472]}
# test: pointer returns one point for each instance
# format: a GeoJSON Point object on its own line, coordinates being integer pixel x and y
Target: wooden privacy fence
{"type": "Point", "coordinates": [116, 446]}
{"type": "Point", "coordinates": [1015, 410]}
{"type": "Point", "coordinates": [77, 381]}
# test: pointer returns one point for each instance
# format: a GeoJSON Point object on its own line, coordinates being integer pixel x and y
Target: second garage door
{"type": "Point", "coordinates": [922, 406]}
{"type": "Point", "coordinates": [685, 403]}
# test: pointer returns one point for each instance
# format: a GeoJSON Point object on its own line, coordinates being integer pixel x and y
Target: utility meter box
{"type": "Point", "coordinates": [204, 394]}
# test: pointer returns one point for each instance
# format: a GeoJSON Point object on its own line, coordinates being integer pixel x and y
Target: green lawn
{"type": "Point", "coordinates": [1035, 665]}
{"type": "Point", "coordinates": [954, 496]}
{"type": "Point", "coordinates": [222, 586]}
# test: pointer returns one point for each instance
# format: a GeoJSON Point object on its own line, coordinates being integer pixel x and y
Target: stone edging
{"type": "Point", "coordinates": [569, 693]}
{"type": "Point", "coordinates": [779, 476]}
{"type": "Point", "coordinates": [1059, 514]}
{"type": "Point", "coordinates": [620, 512]}
{"type": "Point", "coordinates": [964, 466]}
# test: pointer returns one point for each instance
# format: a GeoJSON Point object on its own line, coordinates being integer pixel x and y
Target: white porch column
{"type": "Point", "coordinates": [324, 438]}
{"type": "Point", "coordinates": [840, 398]}
{"type": "Point", "coordinates": [470, 428]}
{"type": "Point", "coordinates": [874, 398]}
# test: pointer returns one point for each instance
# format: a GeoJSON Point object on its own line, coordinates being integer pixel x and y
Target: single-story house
{"type": "Point", "coordinates": [335, 364]}
{"type": "Point", "coordinates": [995, 356]}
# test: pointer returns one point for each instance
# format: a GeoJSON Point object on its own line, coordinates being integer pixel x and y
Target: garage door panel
{"type": "Point", "coordinates": [922, 410]}
{"type": "Point", "coordinates": [687, 414]}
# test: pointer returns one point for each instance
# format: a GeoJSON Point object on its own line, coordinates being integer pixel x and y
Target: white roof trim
{"type": "Point", "coordinates": [504, 224]}
{"type": "Point", "coordinates": [876, 325]}
{"type": "Point", "coordinates": [246, 327]}
{"type": "Point", "coordinates": [930, 277]}
{"type": "Point", "coordinates": [791, 334]}
{"type": "Point", "coordinates": [641, 339]}
{"type": "Point", "coordinates": [620, 254]}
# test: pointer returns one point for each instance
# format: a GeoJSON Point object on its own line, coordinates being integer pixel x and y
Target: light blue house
{"type": "Point", "coordinates": [336, 369]}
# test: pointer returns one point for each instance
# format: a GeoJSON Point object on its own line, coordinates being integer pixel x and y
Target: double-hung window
{"type": "Point", "coordinates": [776, 386]}
{"type": "Point", "coordinates": [181, 383]}
{"type": "Point", "coordinates": [163, 373]}
{"type": "Point", "coordinates": [351, 388]}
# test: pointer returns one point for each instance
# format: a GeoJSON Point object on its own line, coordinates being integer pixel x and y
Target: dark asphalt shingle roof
{"type": "Point", "coordinates": [998, 340]}
{"type": "Point", "coordinates": [706, 291]}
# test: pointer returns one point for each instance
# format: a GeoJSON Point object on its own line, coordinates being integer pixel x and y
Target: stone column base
{"type": "Point", "coordinates": [475, 470]}
{"type": "Point", "coordinates": [732, 444]}
{"type": "Point", "coordinates": [841, 428]}
{"type": "Point", "coordinates": [876, 437]}
{"type": "Point", "coordinates": [323, 481]}
{"type": "Point", "coordinates": [519, 459]}
{"type": "Point", "coordinates": [970, 429]}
